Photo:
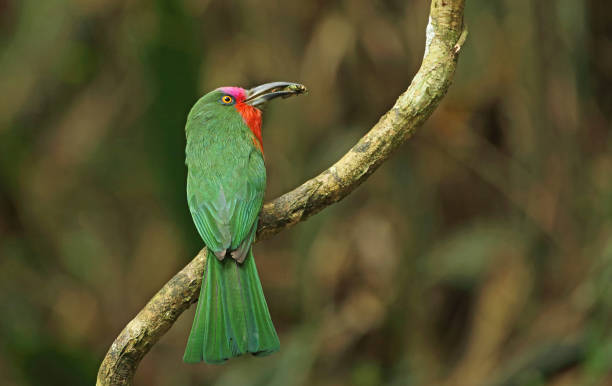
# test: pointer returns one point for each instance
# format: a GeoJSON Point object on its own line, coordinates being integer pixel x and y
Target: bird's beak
{"type": "Point", "coordinates": [257, 96]}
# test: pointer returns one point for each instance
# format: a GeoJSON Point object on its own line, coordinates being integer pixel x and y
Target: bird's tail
{"type": "Point", "coordinates": [232, 316]}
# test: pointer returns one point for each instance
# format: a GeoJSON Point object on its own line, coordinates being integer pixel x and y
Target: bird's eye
{"type": "Point", "coordinates": [227, 100]}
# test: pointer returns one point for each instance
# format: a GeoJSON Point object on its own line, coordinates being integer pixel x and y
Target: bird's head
{"type": "Point", "coordinates": [248, 103]}
{"type": "Point", "coordinates": [258, 96]}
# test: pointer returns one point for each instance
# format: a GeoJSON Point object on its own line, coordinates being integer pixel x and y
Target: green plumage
{"type": "Point", "coordinates": [225, 187]}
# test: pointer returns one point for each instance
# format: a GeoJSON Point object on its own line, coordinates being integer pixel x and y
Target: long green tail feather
{"type": "Point", "coordinates": [232, 316]}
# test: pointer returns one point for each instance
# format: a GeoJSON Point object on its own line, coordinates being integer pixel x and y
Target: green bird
{"type": "Point", "coordinates": [226, 181]}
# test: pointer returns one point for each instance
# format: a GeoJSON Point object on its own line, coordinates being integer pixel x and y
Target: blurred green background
{"type": "Point", "coordinates": [481, 253]}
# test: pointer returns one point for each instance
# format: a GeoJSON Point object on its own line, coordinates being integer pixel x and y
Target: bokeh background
{"type": "Point", "coordinates": [480, 254]}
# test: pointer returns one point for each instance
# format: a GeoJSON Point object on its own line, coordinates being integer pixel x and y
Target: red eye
{"type": "Point", "coordinates": [227, 99]}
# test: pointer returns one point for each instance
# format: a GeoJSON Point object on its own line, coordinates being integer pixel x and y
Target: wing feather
{"type": "Point", "coordinates": [225, 205]}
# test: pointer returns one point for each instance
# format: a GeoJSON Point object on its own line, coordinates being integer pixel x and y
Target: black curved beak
{"type": "Point", "coordinates": [257, 96]}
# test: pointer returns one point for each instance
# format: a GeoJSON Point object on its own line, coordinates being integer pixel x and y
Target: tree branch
{"type": "Point", "coordinates": [445, 35]}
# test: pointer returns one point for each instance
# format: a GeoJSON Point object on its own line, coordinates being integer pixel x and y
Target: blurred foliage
{"type": "Point", "coordinates": [483, 243]}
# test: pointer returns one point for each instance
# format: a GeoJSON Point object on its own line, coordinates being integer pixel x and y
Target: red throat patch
{"type": "Point", "coordinates": [252, 117]}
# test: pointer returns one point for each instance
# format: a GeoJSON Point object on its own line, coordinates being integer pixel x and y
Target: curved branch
{"type": "Point", "coordinates": [445, 35]}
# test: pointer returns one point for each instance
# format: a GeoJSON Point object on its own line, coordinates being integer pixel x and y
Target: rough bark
{"type": "Point", "coordinates": [445, 35]}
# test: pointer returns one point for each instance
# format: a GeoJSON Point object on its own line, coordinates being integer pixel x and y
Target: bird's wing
{"type": "Point", "coordinates": [248, 206]}
{"type": "Point", "coordinates": [225, 205]}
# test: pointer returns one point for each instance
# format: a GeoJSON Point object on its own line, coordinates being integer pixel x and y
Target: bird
{"type": "Point", "coordinates": [226, 180]}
